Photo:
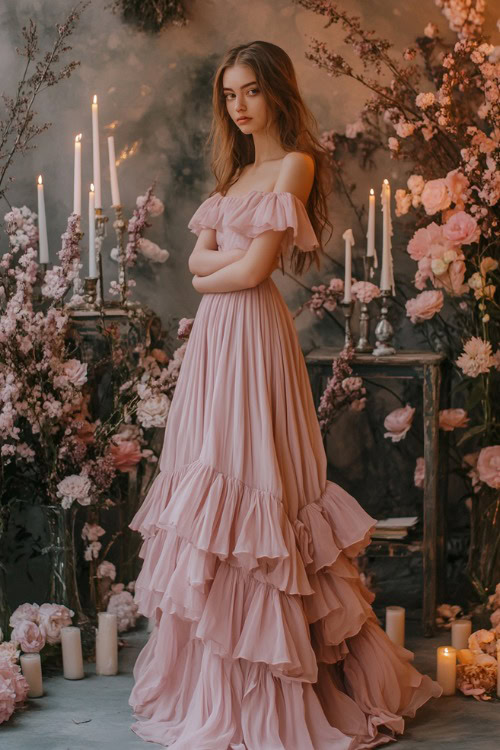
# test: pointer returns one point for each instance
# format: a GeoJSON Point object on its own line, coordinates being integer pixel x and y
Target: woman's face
{"type": "Point", "coordinates": [244, 99]}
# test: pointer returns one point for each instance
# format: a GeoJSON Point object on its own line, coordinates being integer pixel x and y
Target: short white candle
{"type": "Point", "coordinates": [43, 242]}
{"type": "Point", "coordinates": [446, 673]}
{"type": "Point", "coordinates": [348, 237]}
{"type": "Point", "coordinates": [71, 645]}
{"type": "Point", "coordinates": [107, 644]}
{"type": "Point", "coordinates": [115, 193]}
{"type": "Point", "coordinates": [92, 256]}
{"type": "Point", "coordinates": [31, 667]}
{"type": "Point", "coordinates": [460, 632]}
{"type": "Point", "coordinates": [370, 235]}
{"type": "Point", "coordinates": [77, 182]}
{"type": "Point", "coordinates": [96, 157]}
{"type": "Point", "coordinates": [395, 624]}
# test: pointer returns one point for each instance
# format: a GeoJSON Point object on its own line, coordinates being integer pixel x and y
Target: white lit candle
{"type": "Point", "coordinates": [77, 182]}
{"type": "Point", "coordinates": [446, 674]}
{"type": "Point", "coordinates": [387, 275]}
{"type": "Point", "coordinates": [31, 667]}
{"type": "Point", "coordinates": [71, 645]}
{"type": "Point", "coordinates": [395, 624]}
{"type": "Point", "coordinates": [460, 632]}
{"type": "Point", "coordinates": [115, 193]}
{"type": "Point", "coordinates": [96, 153]}
{"type": "Point", "coordinates": [370, 235]}
{"type": "Point", "coordinates": [349, 242]}
{"type": "Point", "coordinates": [92, 258]}
{"type": "Point", "coordinates": [43, 242]}
{"type": "Point", "coordinates": [107, 644]}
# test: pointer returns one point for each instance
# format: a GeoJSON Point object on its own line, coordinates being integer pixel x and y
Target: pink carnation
{"type": "Point", "coordinates": [488, 466]}
{"type": "Point", "coordinates": [461, 229]}
{"type": "Point", "coordinates": [424, 306]}
{"type": "Point", "coordinates": [451, 419]}
{"type": "Point", "coordinates": [435, 196]}
{"type": "Point", "coordinates": [365, 291]}
{"type": "Point", "coordinates": [398, 422]}
{"type": "Point", "coordinates": [29, 636]}
{"type": "Point", "coordinates": [476, 357]}
{"type": "Point", "coordinates": [419, 475]}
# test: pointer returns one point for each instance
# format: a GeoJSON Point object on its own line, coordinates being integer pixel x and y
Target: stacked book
{"type": "Point", "coordinates": [394, 528]}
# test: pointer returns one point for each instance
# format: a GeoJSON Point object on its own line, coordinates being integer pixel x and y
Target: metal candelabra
{"type": "Point", "coordinates": [384, 330]}
{"type": "Point", "coordinates": [347, 308]}
{"type": "Point", "coordinates": [363, 346]}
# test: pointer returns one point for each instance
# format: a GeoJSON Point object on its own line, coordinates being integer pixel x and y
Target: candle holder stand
{"type": "Point", "coordinates": [119, 225]}
{"type": "Point", "coordinates": [77, 282]}
{"type": "Point", "coordinates": [363, 346]}
{"type": "Point", "coordinates": [90, 293]}
{"type": "Point", "coordinates": [100, 234]}
{"type": "Point", "coordinates": [384, 330]}
{"type": "Point", "coordinates": [347, 309]}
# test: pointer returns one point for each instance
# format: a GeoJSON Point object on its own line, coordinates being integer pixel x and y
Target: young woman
{"type": "Point", "coordinates": [264, 637]}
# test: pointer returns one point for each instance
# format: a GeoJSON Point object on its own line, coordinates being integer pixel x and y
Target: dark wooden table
{"type": "Point", "coordinates": [426, 367]}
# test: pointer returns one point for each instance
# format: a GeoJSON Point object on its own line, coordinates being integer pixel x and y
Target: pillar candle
{"type": "Point", "coordinates": [96, 153]}
{"type": "Point", "coordinates": [395, 624]}
{"type": "Point", "coordinates": [349, 242]}
{"type": "Point", "coordinates": [107, 644]}
{"type": "Point", "coordinates": [71, 644]}
{"type": "Point", "coordinates": [43, 243]}
{"type": "Point", "coordinates": [92, 257]}
{"type": "Point", "coordinates": [115, 193]}
{"type": "Point", "coordinates": [460, 632]}
{"type": "Point", "coordinates": [370, 235]}
{"type": "Point", "coordinates": [31, 667]}
{"type": "Point", "coordinates": [77, 177]}
{"type": "Point", "coordinates": [446, 673]}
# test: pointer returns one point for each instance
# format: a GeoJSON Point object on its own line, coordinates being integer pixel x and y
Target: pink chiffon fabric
{"type": "Point", "coordinates": [264, 635]}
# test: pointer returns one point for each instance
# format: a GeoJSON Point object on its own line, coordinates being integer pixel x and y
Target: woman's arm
{"type": "Point", "coordinates": [206, 259]}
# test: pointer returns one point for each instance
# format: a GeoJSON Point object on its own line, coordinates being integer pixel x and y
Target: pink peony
{"type": "Point", "coordinates": [76, 372]}
{"type": "Point", "coordinates": [435, 196]}
{"type": "Point", "coordinates": [126, 454]}
{"type": "Point", "coordinates": [420, 244]}
{"type": "Point", "coordinates": [398, 422]}
{"type": "Point", "coordinates": [53, 617]}
{"type": "Point", "coordinates": [365, 291]}
{"type": "Point", "coordinates": [7, 699]}
{"type": "Point", "coordinates": [18, 683]}
{"type": "Point", "coordinates": [29, 636]}
{"type": "Point", "coordinates": [488, 466]}
{"type": "Point", "coordinates": [461, 229]}
{"type": "Point", "coordinates": [419, 475]}
{"type": "Point", "coordinates": [476, 358]}
{"type": "Point", "coordinates": [451, 419]}
{"type": "Point", "coordinates": [424, 306]}
{"type": "Point", "coordinates": [24, 612]}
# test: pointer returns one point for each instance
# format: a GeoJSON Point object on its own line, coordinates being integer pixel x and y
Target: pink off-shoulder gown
{"type": "Point", "coordinates": [264, 637]}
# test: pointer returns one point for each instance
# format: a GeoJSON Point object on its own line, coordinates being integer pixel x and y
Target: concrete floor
{"type": "Point", "coordinates": [94, 712]}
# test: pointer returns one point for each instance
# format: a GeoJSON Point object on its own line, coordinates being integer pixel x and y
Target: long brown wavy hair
{"type": "Point", "coordinates": [231, 150]}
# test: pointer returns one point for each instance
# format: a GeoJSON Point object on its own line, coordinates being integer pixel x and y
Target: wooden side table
{"type": "Point", "coordinates": [426, 367]}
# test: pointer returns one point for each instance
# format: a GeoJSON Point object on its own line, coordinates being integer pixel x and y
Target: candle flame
{"type": "Point", "coordinates": [372, 192]}
{"type": "Point", "coordinates": [40, 179]}
{"type": "Point", "coordinates": [386, 182]}
{"type": "Point", "coordinates": [92, 187]}
{"type": "Point", "coordinates": [94, 100]}
{"type": "Point", "coordinates": [78, 137]}
{"type": "Point", "coordinates": [446, 649]}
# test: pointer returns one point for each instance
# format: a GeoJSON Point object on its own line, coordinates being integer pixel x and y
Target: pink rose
{"type": "Point", "coordinates": [435, 196]}
{"type": "Point", "coordinates": [488, 466]}
{"type": "Point", "coordinates": [420, 243]}
{"type": "Point", "coordinates": [7, 699]}
{"type": "Point", "coordinates": [76, 372]}
{"type": "Point", "coordinates": [419, 475]}
{"type": "Point", "coordinates": [336, 285]}
{"type": "Point", "coordinates": [29, 636]}
{"type": "Point", "coordinates": [53, 617]}
{"type": "Point", "coordinates": [365, 291]}
{"type": "Point", "coordinates": [451, 419]}
{"type": "Point", "coordinates": [24, 612]}
{"type": "Point", "coordinates": [424, 306]}
{"type": "Point", "coordinates": [126, 454]}
{"type": "Point", "coordinates": [461, 229]}
{"type": "Point", "coordinates": [398, 422]}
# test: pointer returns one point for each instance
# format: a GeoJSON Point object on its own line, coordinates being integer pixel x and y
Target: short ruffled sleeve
{"type": "Point", "coordinates": [208, 215]}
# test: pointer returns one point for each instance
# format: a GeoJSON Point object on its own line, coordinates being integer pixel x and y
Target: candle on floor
{"type": "Point", "coordinates": [96, 157]}
{"type": "Point", "coordinates": [92, 256]}
{"type": "Point", "coordinates": [395, 624]}
{"type": "Point", "coordinates": [460, 632]}
{"type": "Point", "coordinates": [71, 645]}
{"type": "Point", "coordinates": [43, 244]}
{"type": "Point", "coordinates": [115, 193]}
{"type": "Point", "coordinates": [31, 667]}
{"type": "Point", "coordinates": [349, 242]}
{"type": "Point", "coordinates": [446, 672]}
{"type": "Point", "coordinates": [107, 644]}
{"type": "Point", "coordinates": [77, 177]}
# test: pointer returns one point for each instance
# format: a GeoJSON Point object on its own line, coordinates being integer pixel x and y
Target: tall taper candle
{"type": "Point", "coordinates": [115, 193]}
{"type": "Point", "coordinates": [31, 667]}
{"type": "Point", "coordinates": [446, 673]}
{"type": "Point", "coordinates": [370, 235]}
{"type": "Point", "coordinates": [92, 258]}
{"type": "Point", "coordinates": [96, 153]}
{"type": "Point", "coordinates": [386, 274]}
{"type": "Point", "coordinates": [43, 243]}
{"type": "Point", "coordinates": [77, 181]}
{"type": "Point", "coordinates": [349, 242]}
{"type": "Point", "coordinates": [71, 645]}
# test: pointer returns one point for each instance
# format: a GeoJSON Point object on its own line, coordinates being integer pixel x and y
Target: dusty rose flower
{"type": "Point", "coordinates": [404, 128]}
{"type": "Point", "coordinates": [424, 306]}
{"type": "Point", "coordinates": [336, 285]}
{"type": "Point", "coordinates": [451, 419]}
{"type": "Point", "coordinates": [74, 487]}
{"type": "Point", "coordinates": [153, 412]}
{"type": "Point", "coordinates": [12, 672]}
{"type": "Point", "coordinates": [92, 531]}
{"type": "Point", "coordinates": [126, 454]}
{"type": "Point", "coordinates": [398, 422]}
{"type": "Point", "coordinates": [415, 183]}
{"type": "Point", "coordinates": [393, 143]}
{"type": "Point", "coordinates": [435, 196]}
{"type": "Point", "coordinates": [53, 617]}
{"type": "Point", "coordinates": [446, 614]}
{"type": "Point", "coordinates": [76, 372]}
{"type": "Point", "coordinates": [152, 251]}
{"type": "Point", "coordinates": [423, 239]}
{"type": "Point", "coordinates": [85, 433]}
{"type": "Point", "coordinates": [403, 202]}
{"type": "Point", "coordinates": [476, 358]}
{"type": "Point", "coordinates": [419, 474]}
{"type": "Point", "coordinates": [92, 551]}
{"type": "Point", "coordinates": [9, 652]}
{"type": "Point", "coordinates": [457, 184]}
{"type": "Point", "coordinates": [123, 605]}
{"type": "Point", "coordinates": [29, 636]}
{"type": "Point", "coordinates": [495, 618]}
{"type": "Point", "coordinates": [488, 466]}
{"type": "Point", "coordinates": [453, 278]}
{"type": "Point", "coordinates": [461, 229]}
{"type": "Point", "coordinates": [155, 207]}
{"type": "Point", "coordinates": [7, 699]}
{"type": "Point", "coordinates": [431, 30]}
{"type": "Point", "coordinates": [365, 291]}
{"type": "Point", "coordinates": [106, 570]}
{"type": "Point", "coordinates": [352, 384]}
{"type": "Point", "coordinates": [425, 99]}
{"type": "Point", "coordinates": [24, 612]}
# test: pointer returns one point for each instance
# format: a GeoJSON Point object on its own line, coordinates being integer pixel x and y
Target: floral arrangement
{"type": "Point", "coordinates": [153, 15]}
{"type": "Point", "coordinates": [437, 113]}
{"type": "Point", "coordinates": [343, 390]}
{"type": "Point", "coordinates": [13, 685]}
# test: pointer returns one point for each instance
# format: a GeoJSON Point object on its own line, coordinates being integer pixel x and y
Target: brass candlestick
{"type": "Point", "coordinates": [384, 330]}
{"type": "Point", "coordinates": [119, 225]}
{"type": "Point", "coordinates": [347, 308]}
{"type": "Point", "coordinates": [363, 346]}
{"type": "Point", "coordinates": [100, 234]}
{"type": "Point", "coordinates": [90, 292]}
